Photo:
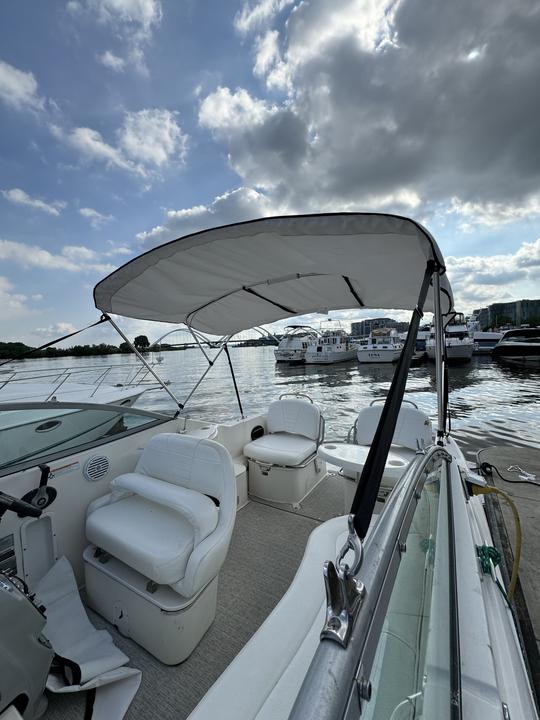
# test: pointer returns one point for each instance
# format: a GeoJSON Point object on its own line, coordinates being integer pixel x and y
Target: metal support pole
{"type": "Point", "coordinates": [194, 335]}
{"type": "Point", "coordinates": [234, 381]}
{"type": "Point", "coordinates": [141, 358]}
{"type": "Point", "coordinates": [205, 373]}
{"type": "Point", "coordinates": [439, 357]}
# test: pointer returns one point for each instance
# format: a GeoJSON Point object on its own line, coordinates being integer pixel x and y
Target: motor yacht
{"type": "Point", "coordinates": [519, 347]}
{"type": "Point", "coordinates": [382, 346]}
{"type": "Point", "coordinates": [332, 346]}
{"type": "Point", "coordinates": [294, 343]}
{"type": "Point", "coordinates": [458, 343]}
{"type": "Point", "coordinates": [199, 567]}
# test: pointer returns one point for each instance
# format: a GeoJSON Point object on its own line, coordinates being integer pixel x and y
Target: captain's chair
{"type": "Point", "coordinates": [172, 519]}
{"type": "Point", "coordinates": [282, 465]}
{"type": "Point", "coordinates": [413, 428]}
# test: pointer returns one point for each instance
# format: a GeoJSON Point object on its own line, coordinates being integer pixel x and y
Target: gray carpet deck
{"type": "Point", "coordinates": [266, 549]}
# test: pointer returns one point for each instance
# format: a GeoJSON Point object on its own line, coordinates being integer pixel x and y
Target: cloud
{"type": "Point", "coordinates": [73, 258]}
{"type": "Point", "coordinates": [19, 197]}
{"type": "Point", "coordinates": [234, 206]}
{"type": "Point", "coordinates": [133, 21]}
{"type": "Point", "coordinates": [95, 218]}
{"type": "Point", "coordinates": [56, 330]}
{"type": "Point", "coordinates": [12, 303]}
{"type": "Point", "coordinates": [152, 137]}
{"type": "Point", "coordinates": [373, 98]}
{"type": "Point", "coordinates": [494, 214]}
{"type": "Point", "coordinates": [111, 61]}
{"type": "Point", "coordinates": [19, 89]}
{"type": "Point", "coordinates": [148, 140]}
{"type": "Point", "coordinates": [478, 280]}
{"type": "Point", "coordinates": [255, 15]}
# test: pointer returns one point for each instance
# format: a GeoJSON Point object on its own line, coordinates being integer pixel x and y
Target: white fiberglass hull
{"type": "Point", "coordinates": [294, 357]}
{"type": "Point", "coordinates": [386, 355]}
{"type": "Point", "coordinates": [69, 392]}
{"type": "Point", "coordinates": [455, 352]}
{"type": "Point", "coordinates": [327, 358]}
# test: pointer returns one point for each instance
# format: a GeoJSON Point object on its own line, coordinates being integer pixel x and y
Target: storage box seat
{"type": "Point", "coordinates": [281, 449]}
{"type": "Point", "coordinates": [172, 519]}
{"type": "Point", "coordinates": [155, 530]}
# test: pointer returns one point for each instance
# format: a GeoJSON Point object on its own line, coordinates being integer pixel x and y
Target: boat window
{"type": "Point", "coordinates": [37, 432]}
{"type": "Point", "coordinates": [411, 670]}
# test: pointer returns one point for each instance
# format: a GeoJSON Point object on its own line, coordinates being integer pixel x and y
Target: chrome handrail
{"type": "Point", "coordinates": [337, 682]}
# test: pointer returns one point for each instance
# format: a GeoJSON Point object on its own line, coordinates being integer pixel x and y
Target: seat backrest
{"type": "Point", "coordinates": [412, 426]}
{"type": "Point", "coordinates": [295, 416]}
{"type": "Point", "coordinates": [194, 463]}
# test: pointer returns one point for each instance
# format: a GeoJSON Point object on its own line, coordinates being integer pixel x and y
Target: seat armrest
{"type": "Point", "coordinates": [201, 512]}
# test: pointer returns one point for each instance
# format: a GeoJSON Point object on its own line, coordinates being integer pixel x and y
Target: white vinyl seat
{"type": "Point", "coordinates": [172, 519]}
{"type": "Point", "coordinates": [282, 464]}
{"type": "Point", "coordinates": [294, 430]}
{"type": "Point", "coordinates": [413, 428]}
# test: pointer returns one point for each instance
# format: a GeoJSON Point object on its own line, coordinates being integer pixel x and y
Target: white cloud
{"type": "Point", "coordinates": [257, 14]}
{"type": "Point", "coordinates": [152, 137]}
{"type": "Point", "coordinates": [266, 53]}
{"type": "Point", "coordinates": [493, 214]}
{"type": "Point", "coordinates": [56, 330]}
{"type": "Point", "coordinates": [95, 218]}
{"type": "Point", "coordinates": [148, 140]}
{"type": "Point", "coordinates": [111, 61]}
{"type": "Point", "coordinates": [225, 111]}
{"type": "Point", "coordinates": [234, 206]}
{"type": "Point", "coordinates": [19, 89]}
{"type": "Point", "coordinates": [478, 280]}
{"type": "Point", "coordinates": [134, 21]}
{"type": "Point", "coordinates": [11, 303]}
{"type": "Point", "coordinates": [73, 258]}
{"type": "Point", "coordinates": [19, 197]}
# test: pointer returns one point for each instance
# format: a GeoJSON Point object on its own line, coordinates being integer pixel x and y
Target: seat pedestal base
{"type": "Point", "coordinates": [285, 484]}
{"type": "Point", "coordinates": [164, 623]}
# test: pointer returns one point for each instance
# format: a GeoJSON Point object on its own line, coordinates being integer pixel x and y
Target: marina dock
{"type": "Point", "coordinates": [526, 497]}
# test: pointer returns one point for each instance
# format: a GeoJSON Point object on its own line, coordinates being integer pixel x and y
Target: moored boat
{"type": "Point", "coordinates": [519, 347]}
{"type": "Point", "coordinates": [333, 346]}
{"type": "Point", "coordinates": [382, 346]}
{"type": "Point", "coordinates": [294, 343]}
{"type": "Point", "coordinates": [458, 343]}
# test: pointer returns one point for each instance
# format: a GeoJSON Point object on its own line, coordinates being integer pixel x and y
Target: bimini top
{"type": "Point", "coordinates": [238, 276]}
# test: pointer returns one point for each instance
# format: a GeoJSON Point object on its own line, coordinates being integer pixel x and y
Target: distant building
{"type": "Point", "coordinates": [364, 327]}
{"type": "Point", "coordinates": [514, 313]}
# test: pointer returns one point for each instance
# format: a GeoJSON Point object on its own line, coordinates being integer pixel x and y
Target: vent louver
{"type": "Point", "coordinates": [96, 467]}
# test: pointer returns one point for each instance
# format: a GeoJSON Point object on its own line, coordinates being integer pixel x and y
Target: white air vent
{"type": "Point", "coordinates": [96, 467]}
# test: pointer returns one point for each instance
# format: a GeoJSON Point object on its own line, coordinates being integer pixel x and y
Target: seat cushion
{"type": "Point", "coordinates": [280, 449]}
{"type": "Point", "coordinates": [299, 417]}
{"type": "Point", "coordinates": [152, 539]}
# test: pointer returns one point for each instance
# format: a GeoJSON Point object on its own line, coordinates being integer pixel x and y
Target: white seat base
{"type": "Point", "coordinates": [163, 622]}
{"type": "Point", "coordinates": [288, 485]}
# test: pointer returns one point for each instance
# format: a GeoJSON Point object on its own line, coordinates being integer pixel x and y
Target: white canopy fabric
{"type": "Point", "coordinates": [238, 276]}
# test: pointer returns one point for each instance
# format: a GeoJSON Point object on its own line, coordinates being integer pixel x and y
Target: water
{"type": "Point", "coordinates": [490, 404]}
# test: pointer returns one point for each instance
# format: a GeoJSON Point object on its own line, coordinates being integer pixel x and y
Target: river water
{"type": "Point", "coordinates": [490, 404]}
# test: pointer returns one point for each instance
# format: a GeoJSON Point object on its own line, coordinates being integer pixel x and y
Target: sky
{"type": "Point", "coordinates": [128, 123]}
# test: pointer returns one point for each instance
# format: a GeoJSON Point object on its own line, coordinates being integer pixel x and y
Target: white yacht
{"type": "Point", "coordinates": [484, 340]}
{"type": "Point", "coordinates": [458, 343]}
{"type": "Point", "coordinates": [187, 539]}
{"type": "Point", "coordinates": [382, 346]}
{"type": "Point", "coordinates": [294, 343]}
{"type": "Point", "coordinates": [332, 346]}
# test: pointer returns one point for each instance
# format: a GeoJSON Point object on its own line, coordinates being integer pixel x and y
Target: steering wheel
{"type": "Point", "coordinates": [24, 509]}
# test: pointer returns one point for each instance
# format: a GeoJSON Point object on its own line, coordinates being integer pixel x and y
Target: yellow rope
{"type": "Point", "coordinates": [477, 490]}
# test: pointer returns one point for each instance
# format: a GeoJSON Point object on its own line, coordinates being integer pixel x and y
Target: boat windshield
{"type": "Point", "coordinates": [32, 433]}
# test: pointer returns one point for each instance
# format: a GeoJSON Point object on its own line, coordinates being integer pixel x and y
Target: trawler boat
{"type": "Point", "coordinates": [333, 346]}
{"type": "Point", "coordinates": [382, 612]}
{"type": "Point", "coordinates": [458, 343]}
{"type": "Point", "coordinates": [519, 347]}
{"type": "Point", "coordinates": [484, 340]}
{"type": "Point", "coordinates": [294, 343]}
{"type": "Point", "coordinates": [382, 346]}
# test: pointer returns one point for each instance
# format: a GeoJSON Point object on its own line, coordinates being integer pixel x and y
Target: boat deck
{"type": "Point", "coordinates": [266, 549]}
{"type": "Point", "coordinates": [526, 497]}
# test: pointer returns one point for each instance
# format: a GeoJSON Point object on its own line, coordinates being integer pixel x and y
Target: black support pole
{"type": "Point", "coordinates": [234, 380]}
{"type": "Point", "coordinates": [368, 486]}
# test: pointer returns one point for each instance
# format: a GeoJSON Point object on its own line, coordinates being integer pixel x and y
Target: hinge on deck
{"type": "Point", "coordinates": [344, 593]}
